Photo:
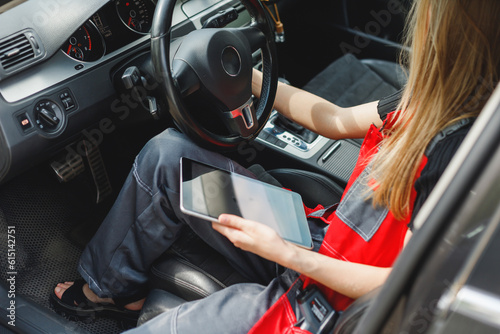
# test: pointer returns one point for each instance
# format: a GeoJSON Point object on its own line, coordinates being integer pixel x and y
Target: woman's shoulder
{"type": "Point", "coordinates": [443, 147]}
{"type": "Point", "coordinates": [438, 158]}
{"type": "Point", "coordinates": [389, 104]}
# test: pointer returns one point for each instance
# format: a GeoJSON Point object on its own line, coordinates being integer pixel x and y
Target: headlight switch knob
{"type": "Point", "coordinates": [48, 116]}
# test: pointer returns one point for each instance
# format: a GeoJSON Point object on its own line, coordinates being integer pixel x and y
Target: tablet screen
{"type": "Point", "coordinates": [207, 192]}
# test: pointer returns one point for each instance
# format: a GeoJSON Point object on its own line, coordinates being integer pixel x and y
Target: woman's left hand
{"type": "Point", "coordinates": [253, 237]}
{"type": "Point", "coordinates": [348, 278]}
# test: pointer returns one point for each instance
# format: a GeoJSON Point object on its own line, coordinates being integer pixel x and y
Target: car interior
{"type": "Point", "coordinates": [84, 85]}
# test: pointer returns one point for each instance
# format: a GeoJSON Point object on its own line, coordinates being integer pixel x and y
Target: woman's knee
{"type": "Point", "coordinates": [158, 161]}
{"type": "Point", "coordinates": [166, 148]}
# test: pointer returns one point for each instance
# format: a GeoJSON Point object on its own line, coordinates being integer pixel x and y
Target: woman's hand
{"type": "Point", "coordinates": [348, 278]}
{"type": "Point", "coordinates": [253, 237]}
{"type": "Point", "coordinates": [320, 115]}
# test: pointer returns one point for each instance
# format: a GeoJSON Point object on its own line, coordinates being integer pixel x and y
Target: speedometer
{"type": "Point", "coordinates": [85, 44]}
{"type": "Point", "coordinates": [136, 14]}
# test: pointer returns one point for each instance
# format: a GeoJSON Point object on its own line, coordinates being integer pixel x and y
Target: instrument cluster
{"type": "Point", "coordinates": [117, 24]}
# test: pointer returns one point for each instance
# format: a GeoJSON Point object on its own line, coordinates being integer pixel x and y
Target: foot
{"type": "Point", "coordinates": [62, 287]}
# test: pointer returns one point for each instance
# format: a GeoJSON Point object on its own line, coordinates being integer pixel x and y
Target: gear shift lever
{"type": "Point", "coordinates": [292, 127]}
{"type": "Point", "coordinates": [295, 129]}
{"type": "Point", "coordinates": [288, 124]}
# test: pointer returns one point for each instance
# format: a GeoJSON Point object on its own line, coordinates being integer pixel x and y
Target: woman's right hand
{"type": "Point", "coordinates": [320, 115]}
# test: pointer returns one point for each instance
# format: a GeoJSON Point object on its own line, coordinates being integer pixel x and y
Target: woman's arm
{"type": "Point", "coordinates": [320, 115]}
{"type": "Point", "coordinates": [350, 279]}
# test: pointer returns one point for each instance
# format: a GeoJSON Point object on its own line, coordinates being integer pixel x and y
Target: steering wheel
{"type": "Point", "coordinates": [215, 65]}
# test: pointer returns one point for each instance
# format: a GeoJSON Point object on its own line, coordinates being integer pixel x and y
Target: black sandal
{"type": "Point", "coordinates": [76, 307]}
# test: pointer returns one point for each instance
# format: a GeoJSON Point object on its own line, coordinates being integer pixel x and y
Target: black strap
{"type": "Point", "coordinates": [446, 132]}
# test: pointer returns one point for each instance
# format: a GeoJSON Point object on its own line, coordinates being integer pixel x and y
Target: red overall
{"type": "Point", "coordinates": [376, 241]}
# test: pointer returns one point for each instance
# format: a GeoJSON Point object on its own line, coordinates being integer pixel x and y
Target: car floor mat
{"type": "Point", "coordinates": [45, 214]}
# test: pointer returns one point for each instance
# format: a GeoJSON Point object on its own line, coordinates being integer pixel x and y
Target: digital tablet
{"type": "Point", "coordinates": [207, 192]}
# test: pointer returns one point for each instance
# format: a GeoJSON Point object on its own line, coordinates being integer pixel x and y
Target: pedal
{"type": "Point", "coordinates": [98, 170]}
{"type": "Point", "coordinates": [69, 168]}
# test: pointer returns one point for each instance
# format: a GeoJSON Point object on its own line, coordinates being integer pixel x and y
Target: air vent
{"type": "Point", "coordinates": [15, 51]}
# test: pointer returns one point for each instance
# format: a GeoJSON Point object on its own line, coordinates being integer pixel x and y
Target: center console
{"type": "Point", "coordinates": [335, 158]}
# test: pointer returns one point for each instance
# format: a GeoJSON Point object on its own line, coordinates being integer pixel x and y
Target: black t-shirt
{"type": "Point", "coordinates": [437, 160]}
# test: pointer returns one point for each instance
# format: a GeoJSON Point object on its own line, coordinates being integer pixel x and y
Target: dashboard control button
{"type": "Point", "coordinates": [263, 135]}
{"type": "Point", "coordinates": [48, 116]}
{"type": "Point", "coordinates": [131, 77]}
{"type": "Point", "coordinates": [281, 144]}
{"type": "Point", "coordinates": [221, 19]}
{"type": "Point", "coordinates": [24, 122]}
{"type": "Point", "coordinates": [273, 140]}
{"type": "Point", "coordinates": [67, 101]}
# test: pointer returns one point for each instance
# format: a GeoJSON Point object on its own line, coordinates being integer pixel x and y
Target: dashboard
{"type": "Point", "coordinates": [58, 63]}
{"type": "Point", "coordinates": [114, 26]}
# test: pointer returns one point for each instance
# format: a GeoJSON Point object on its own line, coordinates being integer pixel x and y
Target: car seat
{"type": "Point", "coordinates": [191, 269]}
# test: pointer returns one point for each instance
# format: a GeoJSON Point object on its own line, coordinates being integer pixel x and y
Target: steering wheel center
{"type": "Point", "coordinates": [231, 61]}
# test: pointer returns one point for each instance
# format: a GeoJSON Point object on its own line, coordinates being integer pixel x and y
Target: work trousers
{"type": "Point", "coordinates": [146, 220]}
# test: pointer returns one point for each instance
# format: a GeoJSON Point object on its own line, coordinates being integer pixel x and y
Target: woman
{"type": "Point", "coordinates": [453, 66]}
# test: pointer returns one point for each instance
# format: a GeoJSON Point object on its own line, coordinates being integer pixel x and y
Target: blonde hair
{"type": "Point", "coordinates": [453, 68]}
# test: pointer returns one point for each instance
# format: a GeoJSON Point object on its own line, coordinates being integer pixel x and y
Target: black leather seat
{"type": "Point", "coordinates": [191, 269]}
